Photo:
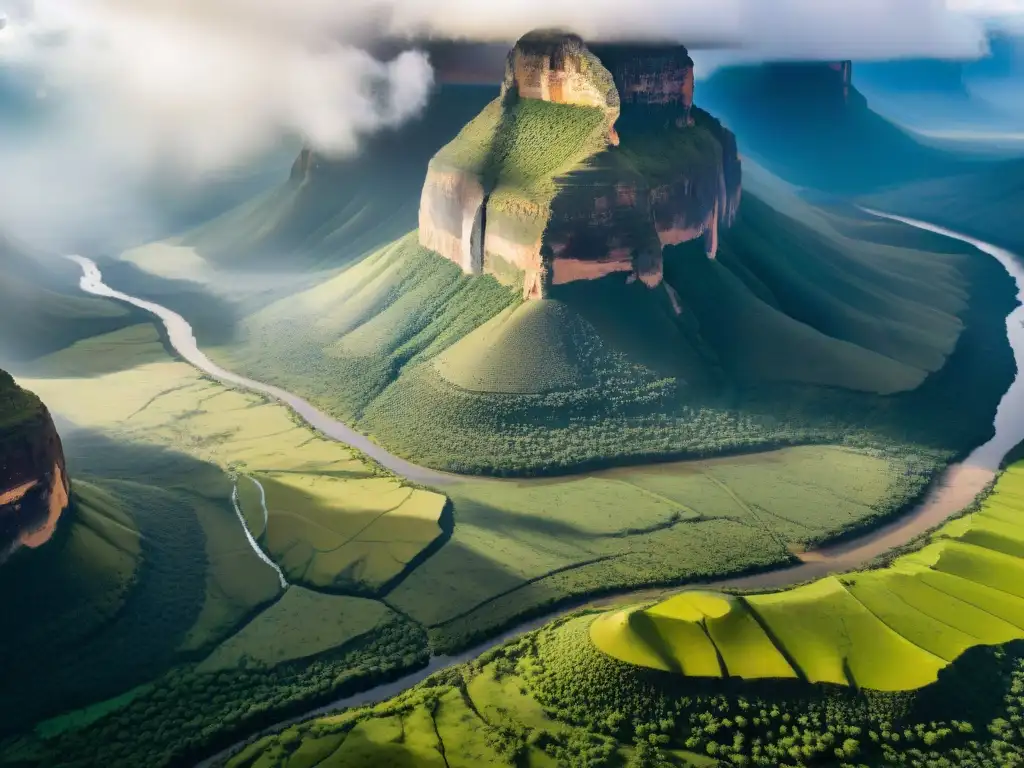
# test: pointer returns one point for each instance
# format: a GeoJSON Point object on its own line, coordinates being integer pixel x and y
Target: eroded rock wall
{"type": "Point", "coordinates": [558, 67]}
{"type": "Point", "coordinates": [614, 213]}
{"type": "Point", "coordinates": [651, 79]}
{"type": "Point", "coordinates": [34, 488]}
{"type": "Point", "coordinates": [451, 217]}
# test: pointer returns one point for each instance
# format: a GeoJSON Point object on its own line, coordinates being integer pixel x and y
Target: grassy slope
{"type": "Point", "coordinates": [984, 204]}
{"type": "Point", "coordinates": [17, 405]}
{"type": "Point", "coordinates": [41, 308]}
{"type": "Point", "coordinates": [500, 146]}
{"type": "Point", "coordinates": [892, 629]}
{"type": "Point", "coordinates": [517, 548]}
{"type": "Point", "coordinates": [321, 496]}
{"type": "Point", "coordinates": [299, 625]}
{"type": "Point", "coordinates": [118, 592]}
{"type": "Point", "coordinates": [788, 301]}
{"type": "Point", "coordinates": [796, 301]}
{"type": "Point", "coordinates": [193, 581]}
{"type": "Point", "coordinates": [548, 699]}
{"type": "Point", "coordinates": [349, 206]}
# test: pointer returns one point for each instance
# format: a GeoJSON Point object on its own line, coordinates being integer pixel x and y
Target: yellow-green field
{"type": "Point", "coordinates": [383, 527]}
{"type": "Point", "coordinates": [890, 629]}
{"type": "Point", "coordinates": [538, 346]}
{"type": "Point", "coordinates": [519, 544]}
{"type": "Point", "coordinates": [301, 624]}
{"type": "Point", "coordinates": [448, 729]}
{"type": "Point", "coordinates": [332, 518]}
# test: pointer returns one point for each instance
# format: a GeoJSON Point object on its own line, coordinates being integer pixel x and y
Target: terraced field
{"type": "Point", "coordinates": [892, 629]}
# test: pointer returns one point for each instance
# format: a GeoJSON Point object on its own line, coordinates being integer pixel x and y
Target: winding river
{"type": "Point", "coordinates": [953, 490]}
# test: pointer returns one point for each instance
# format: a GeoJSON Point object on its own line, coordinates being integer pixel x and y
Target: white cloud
{"type": "Point", "coordinates": [190, 87]}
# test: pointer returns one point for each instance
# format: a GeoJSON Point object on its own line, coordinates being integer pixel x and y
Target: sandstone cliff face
{"type": "Point", "coordinates": [34, 489]}
{"type": "Point", "coordinates": [558, 67]}
{"type": "Point", "coordinates": [651, 79]}
{"type": "Point", "coordinates": [633, 168]}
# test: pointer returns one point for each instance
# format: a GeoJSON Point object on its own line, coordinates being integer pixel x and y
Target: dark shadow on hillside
{"type": "Point", "coordinates": [82, 661]}
{"type": "Point", "coordinates": [330, 211]}
{"type": "Point", "coordinates": [447, 525]}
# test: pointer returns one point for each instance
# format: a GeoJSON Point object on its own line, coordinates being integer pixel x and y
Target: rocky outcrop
{"type": "Point", "coordinates": [34, 489]}
{"type": "Point", "coordinates": [651, 79]}
{"type": "Point", "coordinates": [558, 67]}
{"type": "Point", "coordinates": [543, 196]}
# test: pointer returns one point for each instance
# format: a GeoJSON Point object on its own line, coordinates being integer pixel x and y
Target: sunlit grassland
{"type": "Point", "coordinates": [313, 484]}
{"type": "Point", "coordinates": [384, 527]}
{"type": "Point", "coordinates": [301, 624]}
{"type": "Point", "coordinates": [890, 629]}
{"type": "Point", "coordinates": [517, 546]}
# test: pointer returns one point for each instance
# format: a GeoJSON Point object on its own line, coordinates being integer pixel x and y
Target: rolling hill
{"type": "Point", "coordinates": [918, 663]}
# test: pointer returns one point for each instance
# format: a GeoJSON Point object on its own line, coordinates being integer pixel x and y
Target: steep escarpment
{"type": "Point", "coordinates": [807, 122]}
{"type": "Point", "coordinates": [589, 164]}
{"type": "Point", "coordinates": [33, 478]}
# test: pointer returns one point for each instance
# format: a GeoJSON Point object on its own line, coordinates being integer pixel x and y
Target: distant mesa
{"type": "Point", "coordinates": [34, 484]}
{"type": "Point", "coordinates": [591, 161]}
{"type": "Point", "coordinates": [807, 122]}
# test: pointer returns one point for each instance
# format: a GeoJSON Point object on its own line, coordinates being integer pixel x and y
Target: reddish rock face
{"type": "Point", "coordinates": [651, 76]}
{"type": "Point", "coordinates": [666, 173]}
{"type": "Point", "coordinates": [34, 489]}
{"type": "Point", "coordinates": [558, 67]}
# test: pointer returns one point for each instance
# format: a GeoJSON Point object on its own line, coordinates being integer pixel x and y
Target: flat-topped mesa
{"type": "Point", "coordinates": [34, 489]}
{"type": "Point", "coordinates": [590, 163]}
{"type": "Point", "coordinates": [810, 85]}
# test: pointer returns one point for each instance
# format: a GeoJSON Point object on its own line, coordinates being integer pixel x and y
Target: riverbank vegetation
{"type": "Point", "coordinates": [893, 629]}
{"type": "Point", "coordinates": [936, 685]}
{"type": "Point", "coordinates": [536, 543]}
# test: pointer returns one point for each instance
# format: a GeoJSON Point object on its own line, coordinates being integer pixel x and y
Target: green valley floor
{"type": "Point", "coordinates": [562, 695]}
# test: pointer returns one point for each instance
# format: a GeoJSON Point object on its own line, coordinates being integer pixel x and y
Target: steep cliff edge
{"type": "Point", "coordinates": [590, 163]}
{"type": "Point", "coordinates": [33, 479]}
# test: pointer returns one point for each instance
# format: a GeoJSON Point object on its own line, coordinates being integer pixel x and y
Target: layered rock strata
{"type": "Point", "coordinates": [34, 488]}
{"type": "Point", "coordinates": [590, 163]}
